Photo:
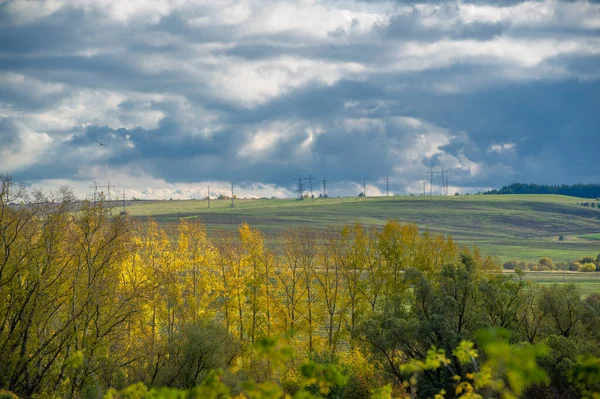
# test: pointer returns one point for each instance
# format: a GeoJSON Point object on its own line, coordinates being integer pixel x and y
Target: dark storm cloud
{"type": "Point", "coordinates": [313, 103]}
{"type": "Point", "coordinates": [191, 94]}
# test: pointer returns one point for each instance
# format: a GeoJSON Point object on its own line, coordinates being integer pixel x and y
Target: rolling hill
{"type": "Point", "coordinates": [523, 227]}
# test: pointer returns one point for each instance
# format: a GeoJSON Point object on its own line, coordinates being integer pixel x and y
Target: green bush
{"type": "Point", "coordinates": [511, 265]}
{"type": "Point", "coordinates": [588, 267]}
{"type": "Point", "coordinates": [575, 266]}
{"type": "Point", "coordinates": [545, 263]}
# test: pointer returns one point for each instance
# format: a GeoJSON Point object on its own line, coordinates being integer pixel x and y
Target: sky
{"type": "Point", "coordinates": [187, 94]}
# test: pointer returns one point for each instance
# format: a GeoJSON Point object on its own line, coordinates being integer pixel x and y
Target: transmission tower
{"type": "Point", "coordinates": [208, 195]}
{"type": "Point", "coordinates": [300, 189]}
{"type": "Point", "coordinates": [445, 182]}
{"type": "Point", "coordinates": [324, 187]}
{"type": "Point", "coordinates": [232, 203]}
{"type": "Point", "coordinates": [95, 187]}
{"type": "Point", "coordinates": [124, 211]}
{"type": "Point", "coordinates": [364, 187]}
{"type": "Point", "coordinates": [310, 180]}
{"type": "Point", "coordinates": [387, 185]}
{"type": "Point", "coordinates": [444, 189]}
{"type": "Point", "coordinates": [430, 183]}
{"type": "Point", "coordinates": [107, 187]}
{"type": "Point", "coordinates": [108, 198]}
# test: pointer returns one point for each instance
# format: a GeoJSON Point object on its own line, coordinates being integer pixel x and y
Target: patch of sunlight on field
{"type": "Point", "coordinates": [593, 237]}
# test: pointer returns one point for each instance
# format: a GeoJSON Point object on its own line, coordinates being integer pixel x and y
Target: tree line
{"type": "Point", "coordinates": [573, 190]}
{"type": "Point", "coordinates": [585, 264]}
{"type": "Point", "coordinates": [91, 301]}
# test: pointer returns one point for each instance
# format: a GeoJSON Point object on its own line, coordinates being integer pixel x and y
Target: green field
{"type": "Point", "coordinates": [591, 237]}
{"type": "Point", "coordinates": [522, 227]}
{"type": "Point", "coordinates": [588, 283]}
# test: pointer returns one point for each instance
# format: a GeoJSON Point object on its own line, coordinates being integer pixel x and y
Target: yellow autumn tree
{"type": "Point", "coordinates": [199, 274]}
{"type": "Point", "coordinates": [291, 291]}
{"type": "Point", "coordinates": [259, 262]}
{"type": "Point", "coordinates": [332, 291]}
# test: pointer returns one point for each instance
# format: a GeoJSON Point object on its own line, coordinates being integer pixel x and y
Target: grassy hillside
{"type": "Point", "coordinates": [524, 227]}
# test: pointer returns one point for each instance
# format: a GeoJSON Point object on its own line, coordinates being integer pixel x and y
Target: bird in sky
{"type": "Point", "coordinates": [103, 145]}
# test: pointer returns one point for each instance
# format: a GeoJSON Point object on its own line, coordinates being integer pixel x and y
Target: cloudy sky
{"type": "Point", "coordinates": [189, 93]}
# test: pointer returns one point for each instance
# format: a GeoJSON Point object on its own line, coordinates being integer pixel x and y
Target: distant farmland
{"type": "Point", "coordinates": [588, 283]}
{"type": "Point", "coordinates": [522, 227]}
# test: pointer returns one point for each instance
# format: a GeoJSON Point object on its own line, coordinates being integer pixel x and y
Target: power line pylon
{"type": "Point", "coordinates": [364, 187]}
{"type": "Point", "coordinates": [310, 180]}
{"type": "Point", "coordinates": [108, 198]}
{"type": "Point", "coordinates": [95, 187]}
{"type": "Point", "coordinates": [300, 187]}
{"type": "Point", "coordinates": [387, 185]}
{"type": "Point", "coordinates": [444, 188]}
{"type": "Point", "coordinates": [124, 211]}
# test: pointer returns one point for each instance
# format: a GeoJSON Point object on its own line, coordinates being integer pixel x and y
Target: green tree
{"type": "Point", "coordinates": [562, 303]}
{"type": "Point", "coordinates": [545, 263]}
{"type": "Point", "coordinates": [198, 349]}
{"type": "Point", "coordinates": [502, 299]}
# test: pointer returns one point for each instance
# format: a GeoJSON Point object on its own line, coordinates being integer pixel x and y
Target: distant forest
{"type": "Point", "coordinates": [575, 190]}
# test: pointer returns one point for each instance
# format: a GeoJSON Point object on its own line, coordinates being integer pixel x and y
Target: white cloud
{"type": "Point", "coordinates": [427, 142]}
{"type": "Point", "coordinates": [525, 53]}
{"type": "Point", "coordinates": [29, 85]}
{"type": "Point", "coordinates": [70, 107]}
{"type": "Point", "coordinates": [526, 13]}
{"type": "Point", "coordinates": [501, 148]}
{"type": "Point", "coordinates": [28, 149]}
{"type": "Point", "coordinates": [28, 11]}
{"type": "Point", "coordinates": [535, 13]}
{"type": "Point", "coordinates": [310, 18]}
{"type": "Point", "coordinates": [253, 83]}
{"type": "Point", "coordinates": [364, 125]}
{"type": "Point", "coordinates": [261, 143]}
{"type": "Point", "coordinates": [138, 184]}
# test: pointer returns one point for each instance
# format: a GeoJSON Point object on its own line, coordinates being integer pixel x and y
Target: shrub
{"type": "Point", "coordinates": [575, 266]}
{"type": "Point", "coordinates": [561, 266]}
{"type": "Point", "coordinates": [588, 267]}
{"type": "Point", "coordinates": [545, 264]}
{"type": "Point", "coordinates": [511, 265]}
